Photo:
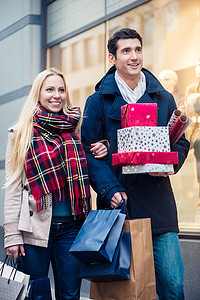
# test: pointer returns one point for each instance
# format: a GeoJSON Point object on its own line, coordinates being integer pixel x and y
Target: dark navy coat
{"type": "Point", "coordinates": [148, 196]}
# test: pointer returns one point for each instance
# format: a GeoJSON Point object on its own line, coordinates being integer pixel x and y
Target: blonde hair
{"type": "Point", "coordinates": [23, 129]}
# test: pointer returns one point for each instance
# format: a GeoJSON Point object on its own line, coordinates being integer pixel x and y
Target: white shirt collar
{"type": "Point", "coordinates": [129, 95]}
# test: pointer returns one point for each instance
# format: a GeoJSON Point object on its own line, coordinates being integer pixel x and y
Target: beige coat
{"type": "Point", "coordinates": [22, 223]}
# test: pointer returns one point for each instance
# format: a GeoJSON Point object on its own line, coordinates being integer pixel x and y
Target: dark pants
{"type": "Point", "coordinates": [65, 267]}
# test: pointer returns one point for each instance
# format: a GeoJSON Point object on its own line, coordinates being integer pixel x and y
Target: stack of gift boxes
{"type": "Point", "coordinates": [142, 146]}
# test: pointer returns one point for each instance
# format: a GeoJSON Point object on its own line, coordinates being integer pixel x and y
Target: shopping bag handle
{"type": "Point", "coordinates": [7, 258]}
{"type": "Point", "coordinates": [123, 208]}
{"type": "Point", "coordinates": [12, 264]}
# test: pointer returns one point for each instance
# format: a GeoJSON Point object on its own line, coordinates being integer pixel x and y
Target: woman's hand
{"type": "Point", "coordinates": [99, 150]}
{"type": "Point", "coordinates": [14, 251]}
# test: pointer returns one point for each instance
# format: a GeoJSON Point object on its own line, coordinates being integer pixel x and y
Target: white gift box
{"type": "Point", "coordinates": [144, 138]}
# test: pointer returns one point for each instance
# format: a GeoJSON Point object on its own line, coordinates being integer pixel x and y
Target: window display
{"type": "Point", "coordinates": [171, 51]}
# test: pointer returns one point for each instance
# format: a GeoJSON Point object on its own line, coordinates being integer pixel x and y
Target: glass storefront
{"type": "Point", "coordinates": [170, 31]}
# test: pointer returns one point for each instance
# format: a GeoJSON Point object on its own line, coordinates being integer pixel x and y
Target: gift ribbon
{"type": "Point", "coordinates": [142, 158]}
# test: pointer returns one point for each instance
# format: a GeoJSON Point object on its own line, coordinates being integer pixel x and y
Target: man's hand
{"type": "Point", "coordinates": [14, 251]}
{"type": "Point", "coordinates": [116, 198]}
{"type": "Point", "coordinates": [99, 150]}
{"type": "Point", "coordinates": [162, 174]}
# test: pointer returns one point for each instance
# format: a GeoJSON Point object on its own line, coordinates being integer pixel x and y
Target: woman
{"type": "Point", "coordinates": [47, 190]}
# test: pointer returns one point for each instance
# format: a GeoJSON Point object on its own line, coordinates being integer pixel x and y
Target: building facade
{"type": "Point", "coordinates": [72, 35]}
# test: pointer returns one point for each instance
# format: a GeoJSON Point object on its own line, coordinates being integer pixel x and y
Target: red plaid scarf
{"type": "Point", "coordinates": [55, 163]}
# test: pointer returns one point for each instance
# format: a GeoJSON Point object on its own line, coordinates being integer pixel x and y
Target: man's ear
{"type": "Point", "coordinates": [111, 58]}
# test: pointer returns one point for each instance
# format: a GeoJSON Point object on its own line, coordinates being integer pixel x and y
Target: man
{"type": "Point", "coordinates": [147, 195]}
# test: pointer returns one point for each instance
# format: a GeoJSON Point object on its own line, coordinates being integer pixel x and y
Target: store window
{"type": "Point", "coordinates": [76, 57]}
{"type": "Point", "coordinates": [84, 66]}
{"type": "Point", "coordinates": [170, 31]}
{"type": "Point", "coordinates": [54, 57]}
{"type": "Point", "coordinates": [90, 50]}
{"type": "Point", "coordinates": [82, 61]}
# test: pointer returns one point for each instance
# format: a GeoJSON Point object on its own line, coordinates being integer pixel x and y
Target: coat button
{"type": "Point", "coordinates": [31, 213]}
{"type": "Point", "coordinates": [103, 191]}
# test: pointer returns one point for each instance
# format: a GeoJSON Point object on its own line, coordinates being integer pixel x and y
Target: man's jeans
{"type": "Point", "coordinates": [168, 266]}
{"type": "Point", "coordinates": [65, 267]}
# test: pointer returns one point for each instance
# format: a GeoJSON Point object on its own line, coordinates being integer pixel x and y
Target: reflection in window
{"type": "Point", "coordinates": [77, 56]}
{"type": "Point", "coordinates": [90, 51]}
{"type": "Point", "coordinates": [101, 49]}
{"type": "Point", "coordinates": [83, 62]}
{"type": "Point", "coordinates": [54, 57]}
{"type": "Point", "coordinates": [147, 21]}
{"type": "Point", "coordinates": [88, 91]}
{"type": "Point", "coordinates": [76, 97]}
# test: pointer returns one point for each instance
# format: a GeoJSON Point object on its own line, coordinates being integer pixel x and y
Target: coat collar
{"type": "Point", "coordinates": [107, 85]}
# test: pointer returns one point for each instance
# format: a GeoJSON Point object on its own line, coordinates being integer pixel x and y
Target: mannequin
{"type": "Point", "coordinates": [169, 79]}
{"type": "Point", "coordinates": [195, 86]}
{"type": "Point", "coordinates": [192, 96]}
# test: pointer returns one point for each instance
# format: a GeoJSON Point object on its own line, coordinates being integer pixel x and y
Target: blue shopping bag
{"type": "Point", "coordinates": [118, 269]}
{"type": "Point", "coordinates": [99, 235]}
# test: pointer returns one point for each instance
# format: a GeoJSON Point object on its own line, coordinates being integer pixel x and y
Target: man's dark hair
{"type": "Point", "coordinates": [124, 33]}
